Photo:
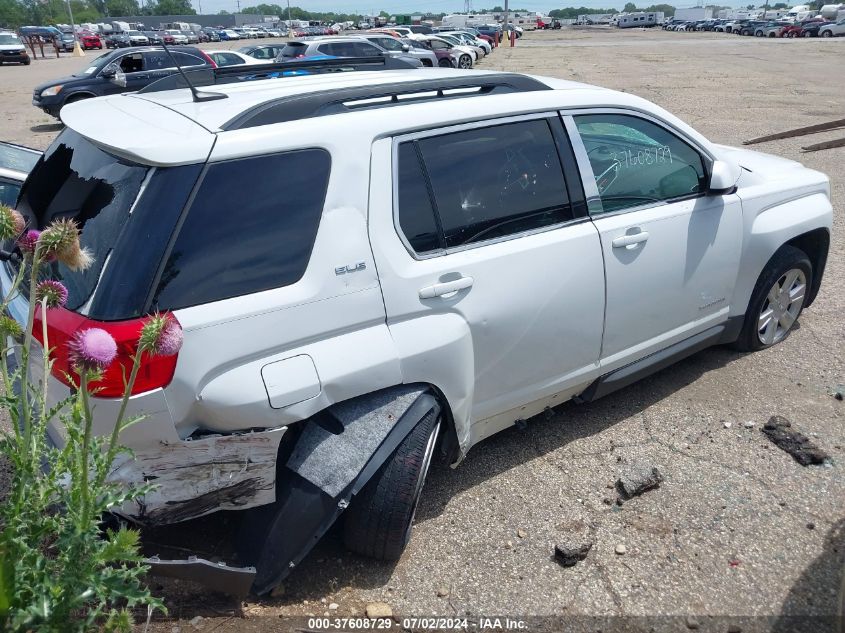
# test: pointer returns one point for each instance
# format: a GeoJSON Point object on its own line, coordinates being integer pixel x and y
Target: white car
{"type": "Point", "coordinates": [233, 58]}
{"type": "Point", "coordinates": [477, 51]}
{"type": "Point", "coordinates": [469, 40]}
{"type": "Point", "coordinates": [462, 56]}
{"type": "Point", "coordinates": [374, 267]}
{"type": "Point", "coordinates": [12, 49]}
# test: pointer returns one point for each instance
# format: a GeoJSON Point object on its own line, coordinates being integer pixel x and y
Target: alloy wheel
{"type": "Point", "coordinates": [782, 306]}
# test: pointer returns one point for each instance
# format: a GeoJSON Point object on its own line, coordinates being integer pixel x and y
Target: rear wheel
{"type": "Point", "coordinates": [378, 521]}
{"type": "Point", "coordinates": [827, 34]}
{"type": "Point", "coordinates": [444, 63]}
{"type": "Point", "coordinates": [806, 34]}
{"type": "Point", "coordinates": [777, 300]}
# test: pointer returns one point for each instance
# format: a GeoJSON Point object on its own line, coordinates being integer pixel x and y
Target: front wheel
{"type": "Point", "coordinates": [777, 300]}
{"type": "Point", "coordinates": [379, 519]}
{"type": "Point", "coordinates": [827, 34]}
{"type": "Point", "coordinates": [465, 62]}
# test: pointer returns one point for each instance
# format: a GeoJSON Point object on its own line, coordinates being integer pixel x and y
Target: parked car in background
{"type": "Point", "coordinates": [461, 56]}
{"type": "Point", "coordinates": [155, 37]}
{"type": "Point", "coordinates": [90, 41]}
{"type": "Point", "coordinates": [67, 42]}
{"type": "Point", "coordinates": [212, 35]}
{"type": "Point", "coordinates": [179, 37]}
{"type": "Point", "coordinates": [832, 29]}
{"type": "Point", "coordinates": [794, 29]}
{"type": "Point", "coordinates": [443, 57]}
{"type": "Point", "coordinates": [470, 40]}
{"type": "Point", "coordinates": [12, 49]}
{"type": "Point", "coordinates": [769, 29]}
{"type": "Point", "coordinates": [234, 58]}
{"type": "Point", "coordinates": [264, 52]}
{"type": "Point", "coordinates": [227, 35]}
{"type": "Point", "coordinates": [404, 226]}
{"type": "Point", "coordinates": [16, 162]}
{"type": "Point", "coordinates": [136, 38]}
{"type": "Point", "coordinates": [121, 70]}
{"type": "Point", "coordinates": [398, 47]}
{"type": "Point", "coordinates": [191, 37]}
{"type": "Point", "coordinates": [340, 46]}
{"type": "Point", "coordinates": [811, 29]}
{"type": "Point", "coordinates": [477, 52]}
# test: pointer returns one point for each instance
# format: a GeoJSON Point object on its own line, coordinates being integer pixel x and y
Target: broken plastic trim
{"type": "Point", "coordinates": [235, 581]}
{"type": "Point", "coordinates": [303, 512]}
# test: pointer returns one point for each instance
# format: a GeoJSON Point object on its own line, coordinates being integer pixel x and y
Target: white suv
{"type": "Point", "coordinates": [369, 265]}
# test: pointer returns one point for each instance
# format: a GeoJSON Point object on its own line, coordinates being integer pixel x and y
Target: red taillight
{"type": "Point", "coordinates": [210, 61]}
{"type": "Point", "coordinates": [155, 371]}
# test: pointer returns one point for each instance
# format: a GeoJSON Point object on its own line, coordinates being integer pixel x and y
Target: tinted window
{"type": "Point", "coordinates": [9, 192]}
{"type": "Point", "coordinates": [188, 60]}
{"type": "Point", "coordinates": [250, 227]}
{"type": "Point", "coordinates": [157, 60]}
{"type": "Point", "coordinates": [496, 181]}
{"type": "Point", "coordinates": [416, 215]}
{"type": "Point", "coordinates": [389, 43]}
{"type": "Point", "coordinates": [637, 162]}
{"type": "Point", "coordinates": [76, 179]}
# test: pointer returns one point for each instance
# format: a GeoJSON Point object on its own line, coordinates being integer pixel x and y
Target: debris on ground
{"type": "Point", "coordinates": [749, 424]}
{"type": "Point", "coordinates": [779, 430]}
{"type": "Point", "coordinates": [570, 554]}
{"type": "Point", "coordinates": [637, 479]}
{"type": "Point", "coordinates": [379, 610]}
{"type": "Point", "coordinates": [621, 549]}
{"type": "Point", "coordinates": [521, 533]}
{"type": "Point", "coordinates": [811, 526]}
{"type": "Point", "coordinates": [728, 425]}
{"type": "Point", "coordinates": [839, 392]}
{"type": "Point", "coordinates": [196, 622]}
{"type": "Point", "coordinates": [442, 592]}
{"type": "Point", "coordinates": [692, 623]}
{"type": "Point", "coordinates": [334, 606]}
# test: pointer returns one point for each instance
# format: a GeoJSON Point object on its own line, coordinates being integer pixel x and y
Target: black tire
{"type": "Point", "coordinates": [27, 61]}
{"type": "Point", "coordinates": [444, 63]}
{"type": "Point", "coordinates": [806, 34]}
{"type": "Point", "coordinates": [378, 522]}
{"type": "Point", "coordinates": [786, 259]}
{"type": "Point", "coordinates": [827, 34]}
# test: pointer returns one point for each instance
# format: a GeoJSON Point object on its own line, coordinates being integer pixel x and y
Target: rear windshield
{"type": "Point", "coordinates": [76, 179]}
{"type": "Point", "coordinates": [294, 49]}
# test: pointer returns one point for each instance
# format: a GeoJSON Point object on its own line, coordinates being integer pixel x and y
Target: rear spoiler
{"type": "Point", "coordinates": [273, 70]}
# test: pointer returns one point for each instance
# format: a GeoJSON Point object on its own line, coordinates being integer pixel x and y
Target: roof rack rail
{"type": "Point", "coordinates": [326, 102]}
{"type": "Point", "coordinates": [235, 74]}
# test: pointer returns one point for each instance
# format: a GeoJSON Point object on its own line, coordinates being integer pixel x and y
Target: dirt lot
{"type": "Point", "coordinates": [738, 528]}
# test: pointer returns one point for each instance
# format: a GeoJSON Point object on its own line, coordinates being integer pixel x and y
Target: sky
{"type": "Point", "coordinates": [405, 6]}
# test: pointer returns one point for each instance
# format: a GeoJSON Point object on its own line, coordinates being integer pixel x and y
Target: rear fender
{"type": "Point", "coordinates": [334, 456]}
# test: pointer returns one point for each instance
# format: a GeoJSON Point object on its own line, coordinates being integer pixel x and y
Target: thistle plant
{"type": "Point", "coordinates": [59, 569]}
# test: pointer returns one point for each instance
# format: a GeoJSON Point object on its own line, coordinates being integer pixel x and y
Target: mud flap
{"type": "Point", "coordinates": [336, 454]}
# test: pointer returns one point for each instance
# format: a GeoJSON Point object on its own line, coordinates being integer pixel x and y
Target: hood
{"type": "Point", "coordinates": [757, 162]}
{"type": "Point", "coordinates": [12, 47]}
{"type": "Point", "coordinates": [64, 81]}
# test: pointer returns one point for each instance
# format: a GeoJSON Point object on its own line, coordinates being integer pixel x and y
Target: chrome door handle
{"type": "Point", "coordinates": [628, 240]}
{"type": "Point", "coordinates": [446, 288]}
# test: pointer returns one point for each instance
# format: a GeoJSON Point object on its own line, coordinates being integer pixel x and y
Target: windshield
{"type": "Point", "coordinates": [75, 179]}
{"type": "Point", "coordinates": [97, 64]}
{"type": "Point", "coordinates": [9, 38]}
{"type": "Point", "coordinates": [133, 33]}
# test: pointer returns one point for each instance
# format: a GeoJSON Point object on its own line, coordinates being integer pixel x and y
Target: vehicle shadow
{"type": "Point", "coordinates": [816, 602]}
{"type": "Point", "coordinates": [329, 567]}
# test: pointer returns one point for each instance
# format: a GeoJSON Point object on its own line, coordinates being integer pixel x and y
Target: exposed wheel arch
{"type": "Point", "coordinates": [815, 244]}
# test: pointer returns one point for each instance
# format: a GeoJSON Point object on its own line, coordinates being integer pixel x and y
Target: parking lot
{"type": "Point", "coordinates": [738, 528]}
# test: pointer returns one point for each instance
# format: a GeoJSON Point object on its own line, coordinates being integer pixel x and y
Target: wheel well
{"type": "Point", "coordinates": [815, 244]}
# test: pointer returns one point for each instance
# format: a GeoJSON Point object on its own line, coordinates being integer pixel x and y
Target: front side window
{"type": "Point", "coordinates": [251, 227]}
{"type": "Point", "coordinates": [637, 162]}
{"type": "Point", "coordinates": [485, 183]}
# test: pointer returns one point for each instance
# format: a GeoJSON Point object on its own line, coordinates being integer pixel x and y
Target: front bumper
{"type": "Point", "coordinates": [14, 57]}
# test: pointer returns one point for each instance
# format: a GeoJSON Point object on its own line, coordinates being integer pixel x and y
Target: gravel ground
{"type": "Point", "coordinates": [737, 528]}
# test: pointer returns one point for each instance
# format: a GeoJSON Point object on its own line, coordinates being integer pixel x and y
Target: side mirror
{"type": "Point", "coordinates": [406, 47]}
{"type": "Point", "coordinates": [723, 178]}
{"type": "Point", "coordinates": [109, 71]}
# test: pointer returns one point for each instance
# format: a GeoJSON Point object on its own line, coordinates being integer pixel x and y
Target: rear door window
{"type": "Point", "coordinates": [251, 227]}
{"type": "Point", "coordinates": [496, 181]}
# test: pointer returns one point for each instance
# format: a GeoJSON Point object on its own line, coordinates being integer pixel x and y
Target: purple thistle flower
{"type": "Point", "coordinates": [28, 241]}
{"type": "Point", "coordinates": [170, 341]}
{"type": "Point", "coordinates": [92, 349]}
{"type": "Point", "coordinates": [52, 290]}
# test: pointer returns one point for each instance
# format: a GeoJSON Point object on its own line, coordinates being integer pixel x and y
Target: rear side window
{"type": "Point", "coordinates": [487, 183]}
{"type": "Point", "coordinates": [251, 227]}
